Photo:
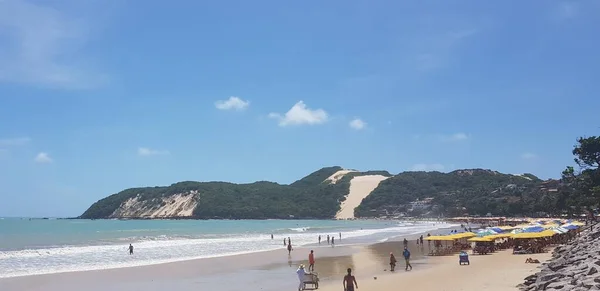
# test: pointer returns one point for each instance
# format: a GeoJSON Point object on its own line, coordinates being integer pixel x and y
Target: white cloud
{"type": "Point", "coordinates": [151, 152]}
{"type": "Point", "coordinates": [357, 124]}
{"type": "Point", "coordinates": [41, 46]}
{"type": "Point", "coordinates": [43, 158]}
{"type": "Point", "coordinates": [300, 114]}
{"type": "Point", "coordinates": [233, 102]}
{"type": "Point", "coordinates": [456, 137]}
{"type": "Point", "coordinates": [17, 141]}
{"type": "Point", "coordinates": [428, 167]}
{"type": "Point", "coordinates": [528, 156]}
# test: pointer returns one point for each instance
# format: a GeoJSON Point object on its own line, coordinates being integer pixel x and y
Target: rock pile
{"type": "Point", "coordinates": [574, 266]}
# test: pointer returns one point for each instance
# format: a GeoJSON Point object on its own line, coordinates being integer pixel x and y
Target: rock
{"type": "Point", "coordinates": [592, 271]}
{"type": "Point", "coordinates": [556, 285]}
{"type": "Point", "coordinates": [547, 277]}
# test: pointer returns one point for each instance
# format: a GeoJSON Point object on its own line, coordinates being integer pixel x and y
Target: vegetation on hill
{"type": "Point", "coordinates": [473, 192]}
{"type": "Point", "coordinates": [479, 192]}
{"type": "Point", "coordinates": [309, 197]}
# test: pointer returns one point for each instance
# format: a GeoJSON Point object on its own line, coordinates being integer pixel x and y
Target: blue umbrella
{"type": "Point", "coordinates": [533, 229]}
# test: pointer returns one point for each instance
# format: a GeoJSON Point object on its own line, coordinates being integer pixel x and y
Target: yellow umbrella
{"type": "Point", "coordinates": [500, 235]}
{"type": "Point", "coordinates": [528, 235]}
{"type": "Point", "coordinates": [480, 239]}
{"type": "Point", "coordinates": [546, 233]}
{"type": "Point", "coordinates": [462, 235]}
{"type": "Point", "coordinates": [578, 223]}
{"type": "Point", "coordinates": [441, 237]}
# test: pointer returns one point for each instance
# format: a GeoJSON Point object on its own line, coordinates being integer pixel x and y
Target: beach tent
{"type": "Point", "coordinates": [481, 239]}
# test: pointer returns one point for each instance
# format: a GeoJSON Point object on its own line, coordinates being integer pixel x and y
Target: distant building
{"type": "Point", "coordinates": [420, 204]}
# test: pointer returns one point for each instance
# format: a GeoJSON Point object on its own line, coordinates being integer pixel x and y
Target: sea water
{"type": "Point", "coordinates": [43, 246]}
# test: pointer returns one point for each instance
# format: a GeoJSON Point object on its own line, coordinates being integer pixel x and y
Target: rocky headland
{"type": "Point", "coordinates": [574, 266]}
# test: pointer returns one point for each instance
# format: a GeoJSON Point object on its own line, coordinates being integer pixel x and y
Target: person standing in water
{"type": "Point", "coordinates": [289, 241]}
{"type": "Point", "coordinates": [332, 240]}
{"type": "Point", "coordinates": [130, 249]}
{"type": "Point", "coordinates": [311, 261]}
{"type": "Point", "coordinates": [319, 239]}
{"type": "Point", "coordinates": [349, 281]}
{"type": "Point", "coordinates": [327, 239]}
{"type": "Point", "coordinates": [284, 243]}
{"type": "Point", "coordinates": [340, 236]}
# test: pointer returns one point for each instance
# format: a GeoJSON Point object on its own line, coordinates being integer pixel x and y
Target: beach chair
{"type": "Point", "coordinates": [311, 279]}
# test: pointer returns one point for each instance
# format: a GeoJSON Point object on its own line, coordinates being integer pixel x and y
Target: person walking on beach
{"type": "Point", "coordinates": [392, 262]}
{"type": "Point", "coordinates": [311, 261]}
{"type": "Point", "coordinates": [406, 255]}
{"type": "Point", "coordinates": [421, 239]}
{"type": "Point", "coordinates": [405, 243]}
{"type": "Point", "coordinates": [332, 240]}
{"type": "Point", "coordinates": [349, 281]}
{"type": "Point", "coordinates": [289, 248]}
{"type": "Point", "coordinates": [301, 272]}
{"type": "Point", "coordinates": [130, 249]}
{"type": "Point", "coordinates": [289, 241]}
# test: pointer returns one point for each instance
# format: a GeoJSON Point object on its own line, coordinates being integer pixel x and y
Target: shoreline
{"type": "Point", "coordinates": [330, 261]}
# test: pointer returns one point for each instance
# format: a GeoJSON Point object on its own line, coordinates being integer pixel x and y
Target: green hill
{"type": "Point", "coordinates": [474, 191]}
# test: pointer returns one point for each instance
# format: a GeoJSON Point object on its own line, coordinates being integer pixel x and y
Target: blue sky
{"type": "Point", "coordinates": [99, 96]}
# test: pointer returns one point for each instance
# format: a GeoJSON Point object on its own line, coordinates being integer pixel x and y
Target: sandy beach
{"type": "Point", "coordinates": [274, 270]}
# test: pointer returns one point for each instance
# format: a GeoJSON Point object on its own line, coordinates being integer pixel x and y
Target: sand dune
{"type": "Point", "coordinates": [178, 205]}
{"type": "Point", "coordinates": [360, 187]}
{"type": "Point", "coordinates": [338, 175]}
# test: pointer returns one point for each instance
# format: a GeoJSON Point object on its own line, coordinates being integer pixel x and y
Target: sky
{"type": "Point", "coordinates": [98, 96]}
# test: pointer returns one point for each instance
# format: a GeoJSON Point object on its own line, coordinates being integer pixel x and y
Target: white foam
{"type": "Point", "coordinates": [163, 249]}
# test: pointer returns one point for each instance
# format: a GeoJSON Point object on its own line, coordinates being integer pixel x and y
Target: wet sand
{"type": "Point", "coordinates": [268, 271]}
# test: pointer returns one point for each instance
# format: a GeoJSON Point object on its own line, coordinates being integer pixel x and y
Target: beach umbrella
{"type": "Point", "coordinates": [500, 235]}
{"type": "Point", "coordinates": [463, 235]}
{"type": "Point", "coordinates": [506, 227]}
{"type": "Point", "coordinates": [485, 232]}
{"type": "Point", "coordinates": [560, 230]}
{"type": "Point", "coordinates": [481, 239]}
{"type": "Point", "coordinates": [570, 226]}
{"type": "Point", "coordinates": [578, 223]}
{"type": "Point", "coordinates": [496, 229]}
{"type": "Point", "coordinates": [533, 229]}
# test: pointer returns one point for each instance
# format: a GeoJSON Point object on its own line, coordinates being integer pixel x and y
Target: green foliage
{"type": "Point", "coordinates": [306, 198]}
{"type": "Point", "coordinates": [317, 177]}
{"type": "Point", "coordinates": [474, 191]}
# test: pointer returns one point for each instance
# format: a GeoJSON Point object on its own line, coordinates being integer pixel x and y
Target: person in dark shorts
{"type": "Point", "coordinates": [130, 249]}
{"type": "Point", "coordinates": [349, 281]}
{"type": "Point", "coordinates": [406, 255]}
{"type": "Point", "coordinates": [289, 248]}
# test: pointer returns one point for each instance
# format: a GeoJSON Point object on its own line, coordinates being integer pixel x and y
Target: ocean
{"type": "Point", "coordinates": [44, 246]}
